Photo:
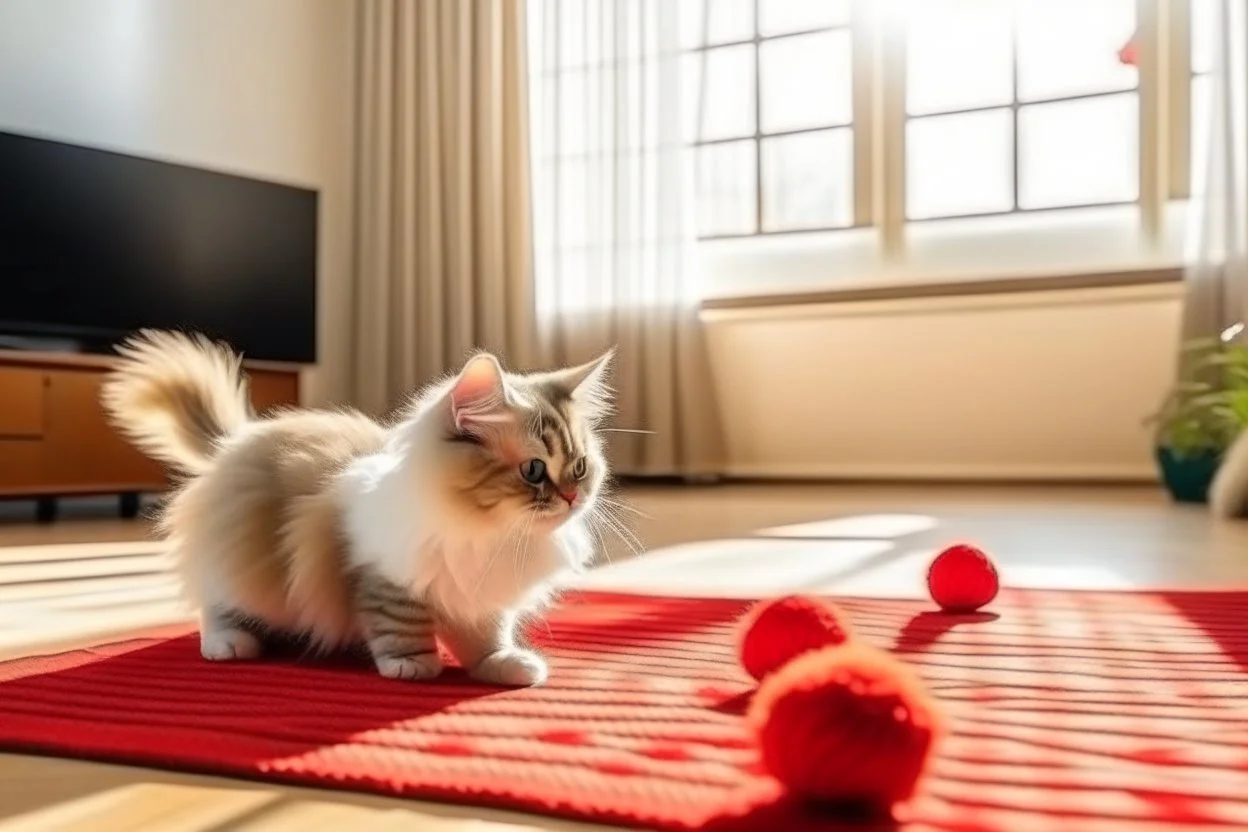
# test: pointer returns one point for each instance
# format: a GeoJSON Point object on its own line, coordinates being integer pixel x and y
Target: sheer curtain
{"type": "Point", "coordinates": [1217, 276]}
{"type": "Point", "coordinates": [613, 225]}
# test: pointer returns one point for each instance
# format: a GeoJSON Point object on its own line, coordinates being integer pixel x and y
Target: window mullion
{"type": "Point", "coordinates": [865, 52]}
{"type": "Point", "coordinates": [883, 19]}
{"type": "Point", "coordinates": [1154, 141]}
{"type": "Point", "coordinates": [1178, 87]}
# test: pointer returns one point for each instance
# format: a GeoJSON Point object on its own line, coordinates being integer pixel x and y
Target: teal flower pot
{"type": "Point", "coordinates": [1187, 476]}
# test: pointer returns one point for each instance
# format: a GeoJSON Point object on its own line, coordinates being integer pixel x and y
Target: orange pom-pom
{"type": "Point", "coordinates": [774, 632]}
{"type": "Point", "coordinates": [962, 579]}
{"type": "Point", "coordinates": [848, 725]}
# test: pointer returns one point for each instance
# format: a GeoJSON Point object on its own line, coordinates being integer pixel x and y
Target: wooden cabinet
{"type": "Point", "coordinates": [56, 441]}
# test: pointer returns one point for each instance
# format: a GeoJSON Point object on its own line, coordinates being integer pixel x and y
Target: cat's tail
{"type": "Point", "coordinates": [1228, 493]}
{"type": "Point", "coordinates": [176, 396]}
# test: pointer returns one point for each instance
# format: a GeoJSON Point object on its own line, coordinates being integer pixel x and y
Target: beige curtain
{"type": "Point", "coordinates": [453, 250]}
{"type": "Point", "coordinates": [443, 252]}
{"type": "Point", "coordinates": [1217, 277]}
{"type": "Point", "coordinates": [613, 225]}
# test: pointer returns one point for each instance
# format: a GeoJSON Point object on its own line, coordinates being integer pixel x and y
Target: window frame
{"type": "Point", "coordinates": [880, 119]}
{"type": "Point", "coordinates": [760, 135]}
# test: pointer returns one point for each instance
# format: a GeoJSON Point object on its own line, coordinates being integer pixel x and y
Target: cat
{"type": "Point", "coordinates": [1228, 493]}
{"type": "Point", "coordinates": [452, 523]}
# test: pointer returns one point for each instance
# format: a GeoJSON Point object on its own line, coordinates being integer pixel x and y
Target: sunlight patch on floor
{"type": "Point", "coordinates": [860, 526]}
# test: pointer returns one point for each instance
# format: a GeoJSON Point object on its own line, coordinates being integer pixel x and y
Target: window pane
{"type": "Point", "coordinates": [959, 164]}
{"type": "Point", "coordinates": [960, 54]}
{"type": "Point", "coordinates": [807, 81]}
{"type": "Point", "coordinates": [726, 101]}
{"type": "Point", "coordinates": [1079, 152]}
{"type": "Point", "coordinates": [775, 17]}
{"type": "Point", "coordinates": [1204, 27]}
{"type": "Point", "coordinates": [808, 180]}
{"type": "Point", "coordinates": [730, 20]}
{"type": "Point", "coordinates": [727, 189]}
{"type": "Point", "coordinates": [1070, 47]}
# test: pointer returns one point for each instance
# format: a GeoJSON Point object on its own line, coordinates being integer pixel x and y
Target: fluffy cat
{"type": "Point", "coordinates": [1228, 493]}
{"type": "Point", "coordinates": [451, 523]}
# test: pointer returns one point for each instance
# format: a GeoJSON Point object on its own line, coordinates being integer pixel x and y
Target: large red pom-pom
{"type": "Point", "coordinates": [847, 724]}
{"type": "Point", "coordinates": [962, 579]}
{"type": "Point", "coordinates": [773, 632]}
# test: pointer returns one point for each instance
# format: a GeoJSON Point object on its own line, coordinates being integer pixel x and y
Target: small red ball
{"type": "Point", "coordinates": [849, 724]}
{"type": "Point", "coordinates": [962, 579]}
{"type": "Point", "coordinates": [773, 632]}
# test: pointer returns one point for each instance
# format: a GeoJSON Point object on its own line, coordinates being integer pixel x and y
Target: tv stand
{"type": "Point", "coordinates": [55, 440]}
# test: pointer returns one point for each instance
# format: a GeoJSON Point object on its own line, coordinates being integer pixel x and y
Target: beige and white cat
{"type": "Point", "coordinates": [451, 523]}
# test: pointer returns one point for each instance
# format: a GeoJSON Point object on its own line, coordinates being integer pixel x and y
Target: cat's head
{"type": "Point", "coordinates": [525, 448]}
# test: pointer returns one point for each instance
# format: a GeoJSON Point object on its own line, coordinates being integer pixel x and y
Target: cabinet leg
{"type": "Point", "coordinates": [130, 505]}
{"type": "Point", "coordinates": [45, 509]}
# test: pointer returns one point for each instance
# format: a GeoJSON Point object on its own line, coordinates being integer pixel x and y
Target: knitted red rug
{"type": "Point", "coordinates": [1091, 711]}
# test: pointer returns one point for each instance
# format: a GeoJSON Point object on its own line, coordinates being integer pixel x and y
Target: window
{"type": "Point", "coordinates": [773, 122]}
{"type": "Point", "coordinates": [1019, 106]}
{"type": "Point", "coordinates": [883, 115]}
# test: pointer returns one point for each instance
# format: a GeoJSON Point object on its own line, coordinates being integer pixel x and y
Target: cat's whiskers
{"type": "Point", "coordinates": [624, 507]}
{"type": "Point", "coordinates": [621, 531]}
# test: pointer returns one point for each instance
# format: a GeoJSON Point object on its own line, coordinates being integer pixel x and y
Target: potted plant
{"type": "Point", "coordinates": [1201, 415]}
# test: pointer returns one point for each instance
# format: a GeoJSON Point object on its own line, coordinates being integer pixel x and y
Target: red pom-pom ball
{"type": "Point", "coordinates": [847, 724]}
{"type": "Point", "coordinates": [962, 579]}
{"type": "Point", "coordinates": [773, 632]}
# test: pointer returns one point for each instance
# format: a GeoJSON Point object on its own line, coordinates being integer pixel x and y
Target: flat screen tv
{"type": "Point", "coordinates": [95, 245]}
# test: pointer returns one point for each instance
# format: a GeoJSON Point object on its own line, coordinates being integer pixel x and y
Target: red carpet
{"type": "Point", "coordinates": [1069, 711]}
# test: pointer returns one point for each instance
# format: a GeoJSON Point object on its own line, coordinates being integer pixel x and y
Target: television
{"type": "Point", "coordinates": [95, 245]}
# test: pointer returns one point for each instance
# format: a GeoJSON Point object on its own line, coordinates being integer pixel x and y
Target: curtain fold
{"type": "Point", "coordinates": [523, 186]}
{"type": "Point", "coordinates": [1217, 274]}
{"type": "Point", "coordinates": [613, 221]}
{"type": "Point", "coordinates": [443, 239]}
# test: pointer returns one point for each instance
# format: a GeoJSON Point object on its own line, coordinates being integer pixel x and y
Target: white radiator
{"type": "Point", "coordinates": [1048, 385]}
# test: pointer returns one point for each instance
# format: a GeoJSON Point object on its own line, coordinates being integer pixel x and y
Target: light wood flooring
{"type": "Point", "coordinates": [78, 581]}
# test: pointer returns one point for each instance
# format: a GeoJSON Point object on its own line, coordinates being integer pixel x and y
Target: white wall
{"type": "Point", "coordinates": [256, 87]}
{"type": "Point", "coordinates": [1043, 385]}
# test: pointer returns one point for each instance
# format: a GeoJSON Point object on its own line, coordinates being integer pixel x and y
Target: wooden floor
{"type": "Point", "coordinates": [73, 582]}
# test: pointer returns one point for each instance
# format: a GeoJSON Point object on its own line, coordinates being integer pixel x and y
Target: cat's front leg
{"type": "Point", "coordinates": [488, 649]}
{"type": "Point", "coordinates": [400, 629]}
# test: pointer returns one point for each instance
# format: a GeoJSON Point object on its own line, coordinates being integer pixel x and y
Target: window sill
{"type": "Point", "coordinates": [1083, 247]}
{"type": "Point", "coordinates": [963, 288]}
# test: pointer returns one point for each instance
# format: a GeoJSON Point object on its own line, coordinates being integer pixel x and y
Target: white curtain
{"type": "Point", "coordinates": [1217, 277]}
{"type": "Point", "coordinates": [613, 225]}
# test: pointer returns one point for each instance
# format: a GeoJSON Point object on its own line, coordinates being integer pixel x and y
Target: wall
{"type": "Point", "coordinates": [261, 88]}
{"type": "Point", "coordinates": [1036, 385]}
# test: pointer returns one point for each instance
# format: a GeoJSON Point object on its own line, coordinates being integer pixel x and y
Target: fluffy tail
{"type": "Point", "coordinates": [1228, 494]}
{"type": "Point", "coordinates": [175, 396]}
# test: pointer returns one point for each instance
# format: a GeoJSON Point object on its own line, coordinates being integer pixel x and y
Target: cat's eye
{"type": "Point", "coordinates": [533, 471]}
{"type": "Point", "coordinates": [579, 468]}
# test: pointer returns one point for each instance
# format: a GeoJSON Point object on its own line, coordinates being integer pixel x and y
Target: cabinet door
{"type": "Point", "coordinates": [21, 467]}
{"type": "Point", "coordinates": [273, 388]}
{"type": "Point", "coordinates": [21, 403]}
{"type": "Point", "coordinates": [82, 451]}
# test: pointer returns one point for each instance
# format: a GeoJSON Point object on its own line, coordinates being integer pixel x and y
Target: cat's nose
{"type": "Point", "coordinates": [569, 496]}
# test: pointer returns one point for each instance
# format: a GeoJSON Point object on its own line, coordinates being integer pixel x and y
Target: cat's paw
{"type": "Point", "coordinates": [414, 668]}
{"type": "Point", "coordinates": [512, 668]}
{"type": "Point", "coordinates": [230, 644]}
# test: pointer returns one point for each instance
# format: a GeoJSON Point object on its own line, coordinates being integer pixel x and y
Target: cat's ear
{"type": "Point", "coordinates": [479, 394]}
{"type": "Point", "coordinates": [587, 383]}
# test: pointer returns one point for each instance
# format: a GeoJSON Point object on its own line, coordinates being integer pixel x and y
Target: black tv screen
{"type": "Point", "coordinates": [95, 245]}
